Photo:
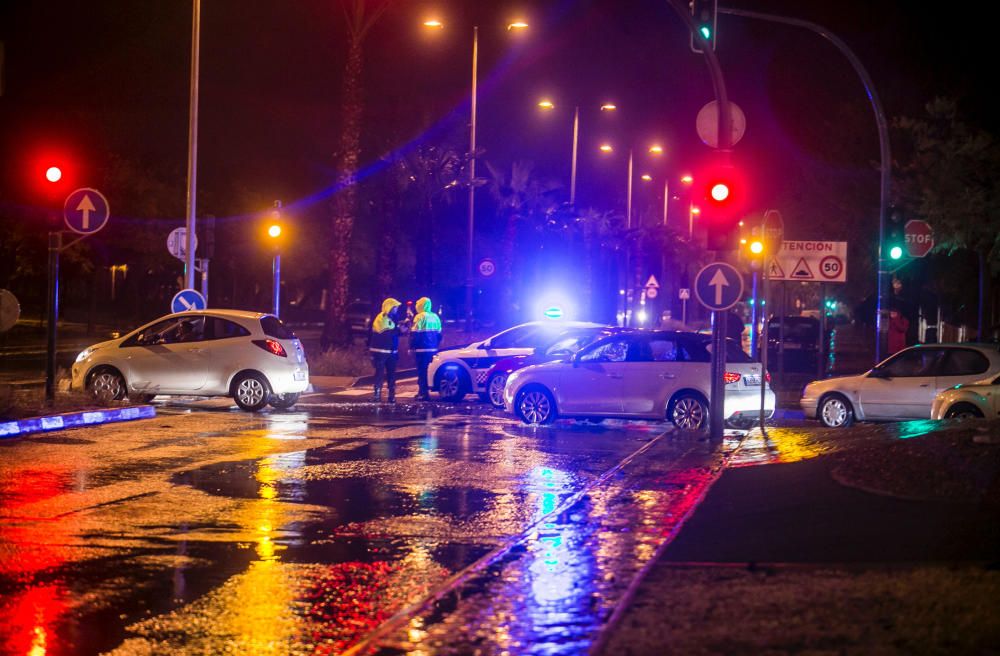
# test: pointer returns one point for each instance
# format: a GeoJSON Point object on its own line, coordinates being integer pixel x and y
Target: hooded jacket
{"type": "Point", "coordinates": [425, 335]}
{"type": "Point", "coordinates": [384, 337]}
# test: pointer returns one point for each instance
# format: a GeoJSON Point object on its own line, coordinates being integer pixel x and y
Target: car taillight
{"type": "Point", "coordinates": [731, 377]}
{"type": "Point", "coordinates": [271, 346]}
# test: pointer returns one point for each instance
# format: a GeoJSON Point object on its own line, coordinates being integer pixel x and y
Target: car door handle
{"type": "Point", "coordinates": [668, 376]}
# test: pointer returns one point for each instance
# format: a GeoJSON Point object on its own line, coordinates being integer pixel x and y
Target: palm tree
{"type": "Point", "coordinates": [360, 16]}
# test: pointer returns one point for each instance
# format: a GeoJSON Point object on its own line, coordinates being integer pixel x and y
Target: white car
{"type": "Point", "coordinates": [249, 356]}
{"type": "Point", "coordinates": [640, 375]}
{"type": "Point", "coordinates": [979, 399]}
{"type": "Point", "coordinates": [901, 387]}
{"type": "Point", "coordinates": [455, 372]}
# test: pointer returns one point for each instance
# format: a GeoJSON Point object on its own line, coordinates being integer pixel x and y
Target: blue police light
{"type": "Point", "coordinates": [554, 312]}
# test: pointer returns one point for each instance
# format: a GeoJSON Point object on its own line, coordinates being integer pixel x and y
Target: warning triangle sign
{"type": "Point", "coordinates": [775, 271]}
{"type": "Point", "coordinates": [652, 283]}
{"type": "Point", "coordinates": [802, 270]}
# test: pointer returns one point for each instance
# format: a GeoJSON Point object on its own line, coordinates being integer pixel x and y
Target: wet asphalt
{"type": "Point", "coordinates": [338, 527]}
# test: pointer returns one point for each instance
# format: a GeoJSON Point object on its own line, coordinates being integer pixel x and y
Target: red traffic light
{"type": "Point", "coordinates": [53, 174]}
{"type": "Point", "coordinates": [719, 192]}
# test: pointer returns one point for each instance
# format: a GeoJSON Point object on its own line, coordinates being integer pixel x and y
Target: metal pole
{"type": "Point", "coordinates": [628, 193]}
{"type": "Point", "coordinates": [754, 318]}
{"type": "Point", "coordinates": [55, 246]}
{"type": "Point", "coordinates": [717, 403]}
{"type": "Point", "coordinates": [666, 200]}
{"type": "Point", "coordinates": [762, 341]}
{"type": "Point", "coordinates": [192, 191]}
{"type": "Point", "coordinates": [276, 305]}
{"type": "Point", "coordinates": [885, 168]}
{"type": "Point", "coordinates": [472, 183]}
{"type": "Point", "coordinates": [204, 279]}
{"type": "Point", "coordinates": [690, 221]}
{"type": "Point", "coordinates": [821, 347]}
{"type": "Point", "coordinates": [576, 141]}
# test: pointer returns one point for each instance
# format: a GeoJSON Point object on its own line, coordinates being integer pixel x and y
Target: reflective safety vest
{"type": "Point", "coordinates": [425, 335]}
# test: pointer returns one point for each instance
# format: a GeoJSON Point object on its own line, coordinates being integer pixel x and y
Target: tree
{"type": "Point", "coordinates": [947, 175]}
{"type": "Point", "coordinates": [360, 16]}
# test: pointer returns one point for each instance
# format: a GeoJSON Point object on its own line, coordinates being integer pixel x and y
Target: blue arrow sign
{"type": "Point", "coordinates": [718, 286]}
{"type": "Point", "coordinates": [187, 299]}
{"type": "Point", "coordinates": [86, 211]}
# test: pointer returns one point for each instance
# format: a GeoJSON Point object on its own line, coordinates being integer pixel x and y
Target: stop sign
{"type": "Point", "coordinates": [919, 238]}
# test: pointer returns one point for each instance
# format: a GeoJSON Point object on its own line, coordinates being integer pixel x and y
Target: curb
{"type": "Point", "coordinates": [21, 427]}
{"type": "Point", "coordinates": [794, 415]}
{"type": "Point", "coordinates": [370, 379]}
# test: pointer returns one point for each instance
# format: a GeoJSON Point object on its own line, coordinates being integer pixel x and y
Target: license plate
{"type": "Point", "coordinates": [751, 380]}
{"type": "Point", "coordinates": [299, 375]}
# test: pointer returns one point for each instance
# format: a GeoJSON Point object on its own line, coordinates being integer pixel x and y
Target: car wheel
{"type": "Point", "coordinates": [535, 405]}
{"type": "Point", "coordinates": [689, 412]}
{"type": "Point", "coordinates": [251, 392]}
{"type": "Point", "coordinates": [451, 384]}
{"type": "Point", "coordinates": [106, 385]}
{"type": "Point", "coordinates": [494, 389]}
{"type": "Point", "coordinates": [963, 411]}
{"type": "Point", "coordinates": [284, 401]}
{"type": "Point", "coordinates": [835, 411]}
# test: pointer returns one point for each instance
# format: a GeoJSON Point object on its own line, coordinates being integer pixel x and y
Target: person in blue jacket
{"type": "Point", "coordinates": [425, 338]}
{"type": "Point", "coordinates": [383, 344]}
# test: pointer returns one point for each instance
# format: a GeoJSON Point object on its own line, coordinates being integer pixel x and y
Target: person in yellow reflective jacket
{"type": "Point", "coordinates": [383, 344]}
{"type": "Point", "coordinates": [425, 337]}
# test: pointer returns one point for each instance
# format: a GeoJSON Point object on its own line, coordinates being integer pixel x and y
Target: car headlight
{"type": "Point", "coordinates": [84, 354]}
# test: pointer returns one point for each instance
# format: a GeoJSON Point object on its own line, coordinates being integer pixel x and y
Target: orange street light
{"type": "Point", "coordinates": [517, 25]}
{"type": "Point", "coordinates": [687, 179]}
{"type": "Point", "coordinates": [606, 148]}
{"type": "Point", "coordinates": [609, 107]}
{"type": "Point", "coordinates": [647, 177]}
{"type": "Point", "coordinates": [656, 149]}
{"type": "Point", "coordinates": [433, 23]}
{"type": "Point", "coordinates": [546, 104]}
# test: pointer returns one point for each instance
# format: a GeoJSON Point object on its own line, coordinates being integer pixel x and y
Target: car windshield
{"type": "Point", "coordinates": [572, 341]}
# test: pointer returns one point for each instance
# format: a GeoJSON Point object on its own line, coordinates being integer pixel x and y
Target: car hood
{"type": "Point", "coordinates": [838, 382]}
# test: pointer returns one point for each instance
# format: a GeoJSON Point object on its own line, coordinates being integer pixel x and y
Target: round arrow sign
{"type": "Point", "coordinates": [86, 211]}
{"type": "Point", "coordinates": [718, 286]}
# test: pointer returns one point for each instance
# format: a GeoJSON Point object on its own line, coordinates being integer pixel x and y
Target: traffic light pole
{"type": "Point", "coordinates": [881, 325]}
{"type": "Point", "coordinates": [55, 248]}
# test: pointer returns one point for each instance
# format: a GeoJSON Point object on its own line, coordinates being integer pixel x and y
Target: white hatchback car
{"type": "Point", "coordinates": [968, 400]}
{"type": "Point", "coordinates": [455, 372]}
{"type": "Point", "coordinates": [640, 375]}
{"type": "Point", "coordinates": [249, 356]}
{"type": "Point", "coordinates": [901, 387]}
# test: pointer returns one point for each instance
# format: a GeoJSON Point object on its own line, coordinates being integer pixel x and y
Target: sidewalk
{"type": "Point", "coordinates": [783, 558]}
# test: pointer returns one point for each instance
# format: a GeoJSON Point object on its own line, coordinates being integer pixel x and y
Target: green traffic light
{"type": "Point", "coordinates": [706, 32]}
{"type": "Point", "coordinates": [895, 252]}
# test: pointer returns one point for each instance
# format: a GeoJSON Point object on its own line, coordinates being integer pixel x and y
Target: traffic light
{"type": "Point", "coordinates": [703, 12]}
{"type": "Point", "coordinates": [894, 247]}
{"type": "Point", "coordinates": [721, 207]}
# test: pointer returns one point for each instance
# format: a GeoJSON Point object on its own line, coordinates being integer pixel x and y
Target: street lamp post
{"type": "Point", "coordinates": [548, 105]}
{"type": "Point", "coordinates": [469, 279]}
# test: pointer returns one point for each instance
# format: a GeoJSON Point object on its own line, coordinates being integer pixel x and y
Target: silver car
{"type": "Point", "coordinates": [901, 387]}
{"type": "Point", "coordinates": [640, 375]}
{"type": "Point", "coordinates": [968, 400]}
{"type": "Point", "coordinates": [249, 356]}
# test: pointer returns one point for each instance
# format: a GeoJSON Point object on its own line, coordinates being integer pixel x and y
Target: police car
{"type": "Point", "coordinates": [455, 372]}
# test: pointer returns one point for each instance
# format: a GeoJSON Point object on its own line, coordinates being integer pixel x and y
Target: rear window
{"type": "Point", "coordinates": [223, 329]}
{"type": "Point", "coordinates": [963, 362]}
{"type": "Point", "coordinates": [702, 352]}
{"type": "Point", "coordinates": [274, 328]}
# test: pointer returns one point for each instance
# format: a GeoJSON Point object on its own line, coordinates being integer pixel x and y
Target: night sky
{"type": "Point", "coordinates": [110, 78]}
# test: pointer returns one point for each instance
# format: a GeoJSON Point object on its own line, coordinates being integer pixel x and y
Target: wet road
{"type": "Point", "coordinates": [341, 529]}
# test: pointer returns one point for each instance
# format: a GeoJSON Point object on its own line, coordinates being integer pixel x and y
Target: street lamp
{"type": "Point", "coordinates": [655, 149]}
{"type": "Point", "coordinates": [548, 105]}
{"type": "Point", "coordinates": [516, 25]}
